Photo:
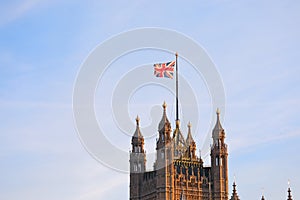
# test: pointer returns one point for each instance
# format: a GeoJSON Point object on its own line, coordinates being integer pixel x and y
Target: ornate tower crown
{"type": "Point", "coordinates": [164, 120]}
{"type": "Point", "coordinates": [137, 140]}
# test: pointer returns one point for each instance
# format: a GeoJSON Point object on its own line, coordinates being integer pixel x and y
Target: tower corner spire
{"type": "Point", "coordinates": [137, 136]}
{"type": "Point", "coordinates": [234, 195]}
{"type": "Point", "coordinates": [164, 120]}
{"type": "Point", "coordinates": [289, 191]}
{"type": "Point", "coordinates": [189, 139]}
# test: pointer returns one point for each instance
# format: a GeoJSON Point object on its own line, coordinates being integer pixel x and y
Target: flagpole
{"type": "Point", "coordinates": [177, 116]}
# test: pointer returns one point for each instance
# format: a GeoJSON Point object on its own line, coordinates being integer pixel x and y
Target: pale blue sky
{"type": "Point", "coordinates": [254, 44]}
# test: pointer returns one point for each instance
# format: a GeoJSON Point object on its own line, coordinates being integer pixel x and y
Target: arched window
{"type": "Point", "coordinates": [134, 167]}
{"type": "Point", "coordinates": [162, 153]}
{"type": "Point", "coordinates": [217, 161]}
{"type": "Point", "coordinates": [140, 167]}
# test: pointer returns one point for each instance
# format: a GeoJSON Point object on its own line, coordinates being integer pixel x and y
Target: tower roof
{"type": "Point", "coordinates": [137, 133]}
{"type": "Point", "coordinates": [164, 118]}
{"type": "Point", "coordinates": [234, 195]}
{"type": "Point", "coordinates": [218, 131]}
{"type": "Point", "coordinates": [218, 125]}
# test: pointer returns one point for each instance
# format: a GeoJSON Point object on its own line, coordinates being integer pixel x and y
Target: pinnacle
{"type": "Point", "coordinates": [218, 111]}
{"type": "Point", "coordinates": [218, 126]}
{"type": "Point", "coordinates": [189, 138]}
{"type": "Point", "coordinates": [164, 105]}
{"type": "Point", "coordinates": [137, 132]}
{"type": "Point", "coordinates": [137, 119]}
{"type": "Point", "coordinates": [164, 117]}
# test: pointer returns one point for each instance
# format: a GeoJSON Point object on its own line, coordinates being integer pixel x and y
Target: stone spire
{"type": "Point", "coordinates": [164, 118]}
{"type": "Point", "coordinates": [234, 193]}
{"type": "Point", "coordinates": [164, 130]}
{"type": "Point", "coordinates": [137, 140]}
{"type": "Point", "coordinates": [289, 192]}
{"type": "Point", "coordinates": [189, 139]}
{"type": "Point", "coordinates": [137, 132]}
{"type": "Point", "coordinates": [218, 131]}
{"type": "Point", "coordinates": [218, 125]}
{"type": "Point", "coordinates": [190, 143]}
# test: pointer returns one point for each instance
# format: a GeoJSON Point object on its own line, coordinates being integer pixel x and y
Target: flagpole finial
{"type": "Point", "coordinates": [176, 54]}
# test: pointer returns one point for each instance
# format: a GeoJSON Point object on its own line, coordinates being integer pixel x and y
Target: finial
{"type": "Point", "coordinates": [176, 54]}
{"type": "Point", "coordinates": [189, 125]}
{"type": "Point", "coordinates": [218, 111]}
{"type": "Point", "coordinates": [164, 105]}
{"type": "Point", "coordinates": [137, 119]}
{"type": "Point", "coordinates": [289, 191]}
{"type": "Point", "coordinates": [234, 178]}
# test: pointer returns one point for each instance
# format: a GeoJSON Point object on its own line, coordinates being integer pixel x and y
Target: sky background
{"type": "Point", "coordinates": [254, 44]}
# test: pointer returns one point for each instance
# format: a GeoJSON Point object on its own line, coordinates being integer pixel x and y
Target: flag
{"type": "Point", "coordinates": [164, 69]}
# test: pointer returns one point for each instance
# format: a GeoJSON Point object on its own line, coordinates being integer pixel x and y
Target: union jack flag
{"type": "Point", "coordinates": [164, 69]}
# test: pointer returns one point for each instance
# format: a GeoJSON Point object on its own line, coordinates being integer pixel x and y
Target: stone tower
{"type": "Point", "coordinates": [164, 158]}
{"type": "Point", "coordinates": [178, 173]}
{"type": "Point", "coordinates": [219, 162]}
{"type": "Point", "coordinates": [137, 161]}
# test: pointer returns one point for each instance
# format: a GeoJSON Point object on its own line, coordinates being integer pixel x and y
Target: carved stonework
{"type": "Point", "coordinates": [178, 172]}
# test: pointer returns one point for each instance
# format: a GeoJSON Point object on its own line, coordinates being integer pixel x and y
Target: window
{"type": "Point", "coordinates": [162, 153]}
{"type": "Point", "coordinates": [134, 167]}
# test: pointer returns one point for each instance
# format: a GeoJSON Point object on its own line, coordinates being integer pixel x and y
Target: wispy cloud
{"type": "Point", "coordinates": [12, 11]}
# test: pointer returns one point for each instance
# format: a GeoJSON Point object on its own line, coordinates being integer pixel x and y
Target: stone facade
{"type": "Point", "coordinates": [178, 173]}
